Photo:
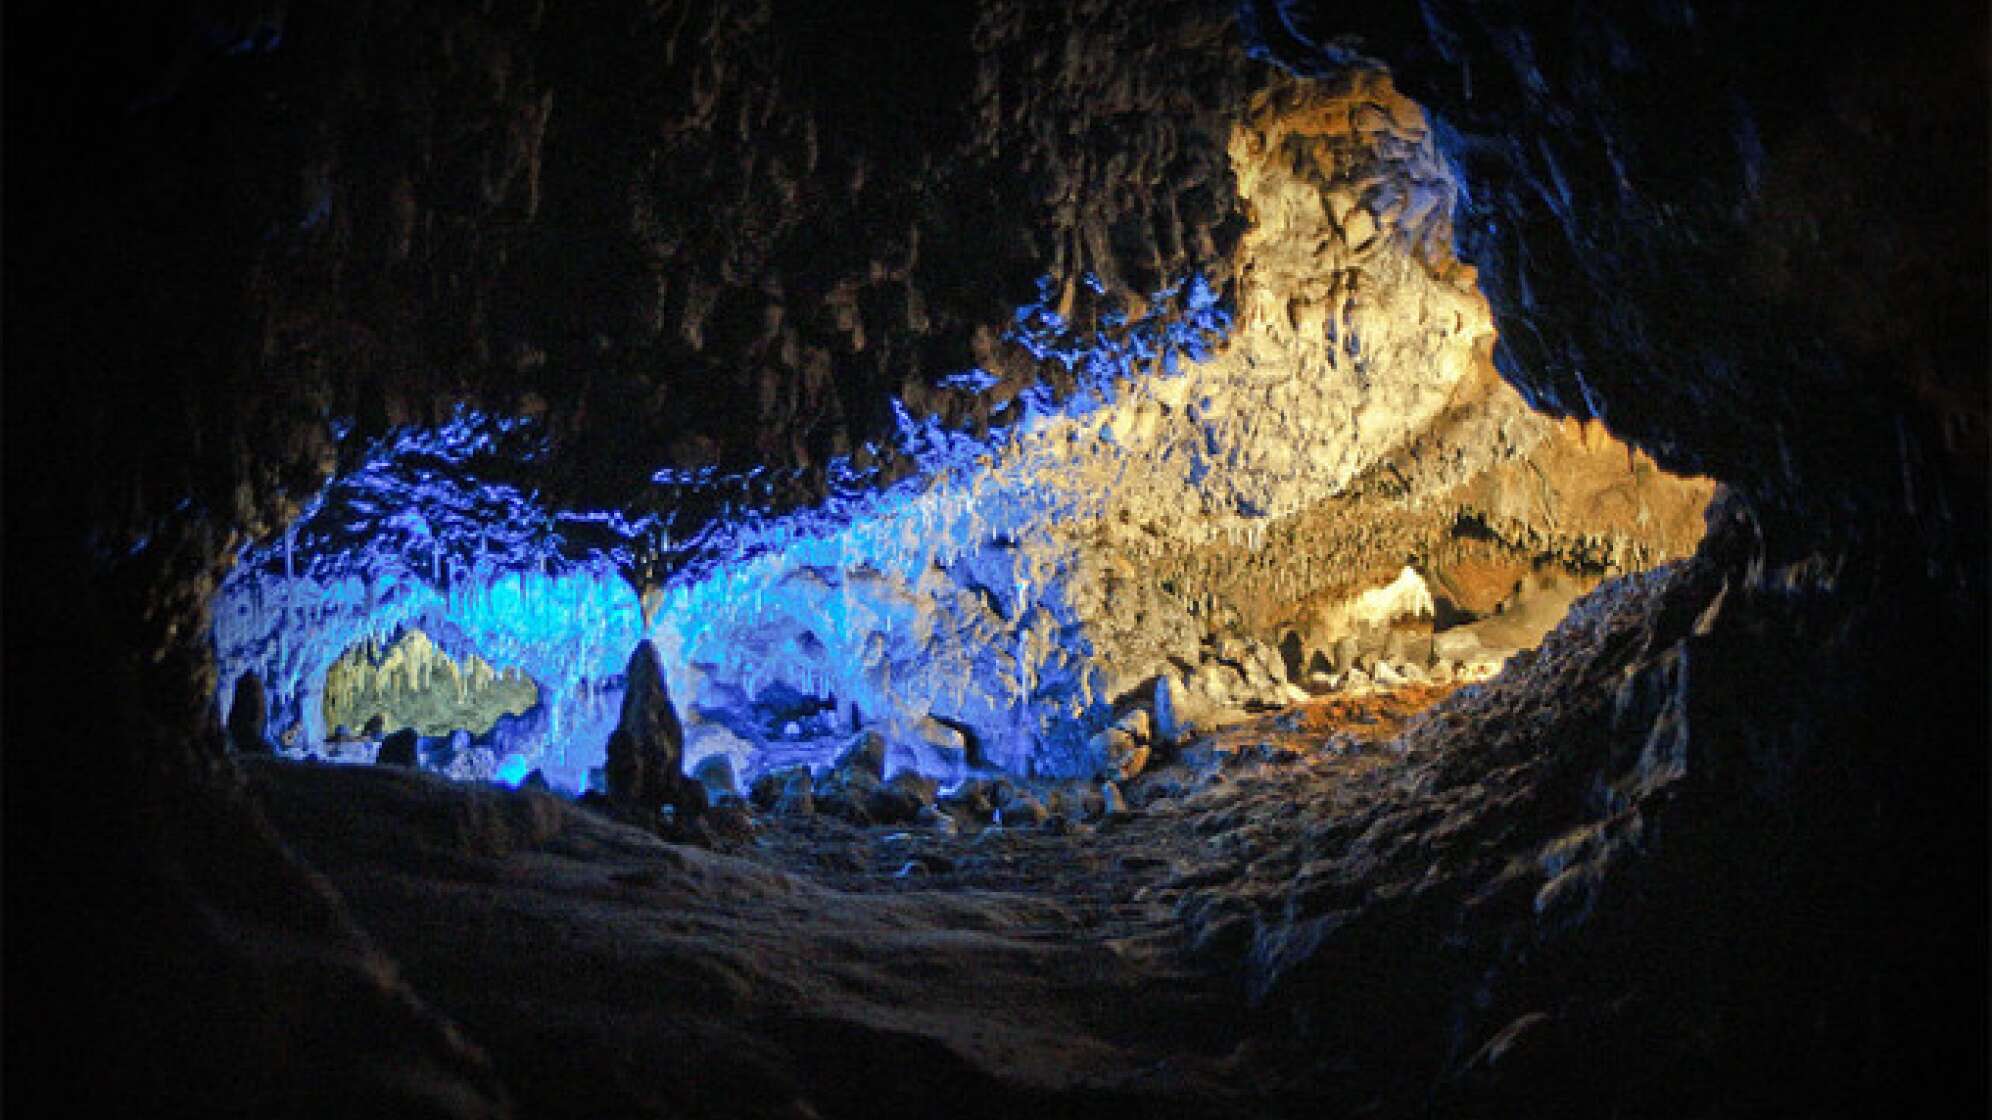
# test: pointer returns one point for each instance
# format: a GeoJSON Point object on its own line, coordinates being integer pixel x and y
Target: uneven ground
{"type": "Point", "coordinates": [820, 968]}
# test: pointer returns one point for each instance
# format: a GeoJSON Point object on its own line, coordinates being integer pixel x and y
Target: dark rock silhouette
{"type": "Point", "coordinates": [248, 717]}
{"type": "Point", "coordinates": [400, 749]}
{"type": "Point", "coordinates": [645, 750]}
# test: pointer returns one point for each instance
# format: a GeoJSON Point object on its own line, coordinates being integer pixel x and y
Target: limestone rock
{"type": "Point", "coordinates": [929, 747]}
{"type": "Point", "coordinates": [1137, 723]}
{"type": "Point", "coordinates": [795, 794]}
{"type": "Point", "coordinates": [1123, 756]}
{"type": "Point", "coordinates": [715, 773]}
{"type": "Point", "coordinates": [475, 764]}
{"type": "Point", "coordinates": [645, 750]}
{"type": "Point", "coordinates": [861, 758]}
{"type": "Point", "coordinates": [704, 741]}
{"type": "Point", "coordinates": [1112, 802]}
{"type": "Point", "coordinates": [1023, 811]}
{"type": "Point", "coordinates": [1179, 713]}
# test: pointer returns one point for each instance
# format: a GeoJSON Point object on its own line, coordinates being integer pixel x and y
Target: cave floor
{"type": "Point", "coordinates": [824, 969]}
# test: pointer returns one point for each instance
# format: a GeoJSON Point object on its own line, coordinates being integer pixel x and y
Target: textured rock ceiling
{"type": "Point", "coordinates": [1727, 831]}
{"type": "Point", "coordinates": [1211, 477]}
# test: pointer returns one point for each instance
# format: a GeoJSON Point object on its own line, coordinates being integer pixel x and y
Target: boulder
{"type": "Point", "coordinates": [798, 794]}
{"type": "Point", "coordinates": [919, 786]}
{"type": "Point", "coordinates": [399, 749]}
{"type": "Point", "coordinates": [929, 747]}
{"type": "Point", "coordinates": [768, 789]}
{"type": "Point", "coordinates": [1137, 723]}
{"type": "Point", "coordinates": [1023, 811]}
{"type": "Point", "coordinates": [1112, 803]}
{"type": "Point", "coordinates": [1122, 755]}
{"type": "Point", "coordinates": [892, 804]}
{"type": "Point", "coordinates": [724, 825]}
{"type": "Point", "coordinates": [646, 748]}
{"type": "Point", "coordinates": [715, 773]}
{"type": "Point", "coordinates": [1178, 711]}
{"type": "Point", "coordinates": [705, 741]}
{"type": "Point", "coordinates": [975, 800]}
{"type": "Point", "coordinates": [862, 757]}
{"type": "Point", "coordinates": [478, 764]}
{"type": "Point", "coordinates": [845, 804]}
{"type": "Point", "coordinates": [249, 717]}
{"type": "Point", "coordinates": [1078, 800]}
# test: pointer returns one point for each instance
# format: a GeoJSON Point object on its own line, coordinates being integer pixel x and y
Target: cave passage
{"type": "Point", "coordinates": [1191, 559]}
{"type": "Point", "coordinates": [1311, 480]}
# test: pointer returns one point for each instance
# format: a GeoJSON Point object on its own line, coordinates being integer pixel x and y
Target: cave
{"type": "Point", "coordinates": [1205, 558]}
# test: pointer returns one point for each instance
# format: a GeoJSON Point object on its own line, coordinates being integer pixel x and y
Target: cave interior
{"type": "Point", "coordinates": [1194, 558]}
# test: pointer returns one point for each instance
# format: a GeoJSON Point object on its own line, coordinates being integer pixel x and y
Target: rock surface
{"type": "Point", "coordinates": [1750, 238]}
{"type": "Point", "coordinates": [400, 748]}
{"type": "Point", "coordinates": [646, 749]}
{"type": "Point", "coordinates": [248, 717]}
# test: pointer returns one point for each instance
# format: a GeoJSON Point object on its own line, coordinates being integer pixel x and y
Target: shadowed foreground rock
{"type": "Point", "coordinates": [248, 717]}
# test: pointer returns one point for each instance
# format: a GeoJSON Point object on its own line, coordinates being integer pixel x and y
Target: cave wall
{"type": "Point", "coordinates": [1702, 226]}
{"type": "Point", "coordinates": [1708, 797]}
{"type": "Point", "coordinates": [1749, 239]}
{"type": "Point", "coordinates": [1202, 483]}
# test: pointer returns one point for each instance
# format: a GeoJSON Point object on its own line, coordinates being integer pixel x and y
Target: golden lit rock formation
{"type": "Point", "coordinates": [412, 683]}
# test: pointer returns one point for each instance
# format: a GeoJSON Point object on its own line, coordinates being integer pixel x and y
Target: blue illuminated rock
{"type": "Point", "coordinates": [1175, 711]}
{"type": "Point", "coordinates": [931, 748]}
{"type": "Point", "coordinates": [475, 764]}
{"type": "Point", "coordinates": [862, 758]}
{"type": "Point", "coordinates": [1112, 803]}
{"type": "Point", "coordinates": [707, 742]}
{"type": "Point", "coordinates": [715, 773]}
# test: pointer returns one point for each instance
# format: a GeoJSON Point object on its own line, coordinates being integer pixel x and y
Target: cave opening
{"type": "Point", "coordinates": [1182, 574]}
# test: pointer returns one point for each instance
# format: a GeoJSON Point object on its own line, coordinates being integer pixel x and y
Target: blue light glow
{"type": "Point", "coordinates": [513, 770]}
{"type": "Point", "coordinates": [893, 600]}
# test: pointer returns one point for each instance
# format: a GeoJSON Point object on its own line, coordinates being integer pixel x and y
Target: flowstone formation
{"type": "Point", "coordinates": [1217, 499]}
{"type": "Point", "coordinates": [412, 683]}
